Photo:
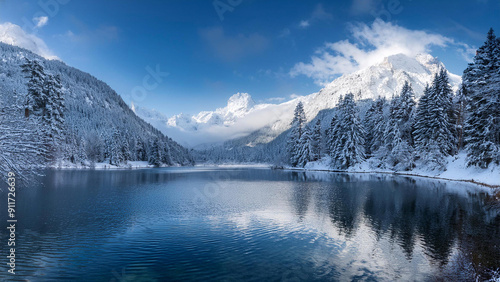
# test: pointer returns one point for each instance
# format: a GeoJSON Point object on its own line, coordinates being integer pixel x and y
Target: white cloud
{"type": "Point", "coordinates": [14, 35]}
{"type": "Point", "coordinates": [371, 44]}
{"type": "Point", "coordinates": [41, 21]}
{"type": "Point", "coordinates": [304, 24]}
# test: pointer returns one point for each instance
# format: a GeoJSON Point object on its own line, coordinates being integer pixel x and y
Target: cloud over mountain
{"type": "Point", "coordinates": [368, 46]}
{"type": "Point", "coordinates": [14, 35]}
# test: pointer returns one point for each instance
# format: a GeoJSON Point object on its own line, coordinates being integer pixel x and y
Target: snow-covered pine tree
{"type": "Point", "coordinates": [460, 104]}
{"type": "Point", "coordinates": [304, 151]}
{"type": "Point", "coordinates": [21, 148]}
{"type": "Point", "coordinates": [316, 141]}
{"type": "Point", "coordinates": [434, 129]}
{"type": "Point", "coordinates": [391, 132]}
{"type": "Point", "coordinates": [293, 142]}
{"type": "Point", "coordinates": [154, 153]}
{"type": "Point", "coordinates": [397, 150]}
{"type": "Point", "coordinates": [125, 147]}
{"type": "Point", "coordinates": [347, 140]}
{"type": "Point", "coordinates": [332, 133]}
{"type": "Point", "coordinates": [405, 112]}
{"type": "Point", "coordinates": [53, 117]}
{"type": "Point", "coordinates": [446, 96]}
{"type": "Point", "coordinates": [299, 116]}
{"type": "Point", "coordinates": [116, 154]}
{"type": "Point", "coordinates": [166, 158]}
{"type": "Point", "coordinates": [420, 128]}
{"type": "Point", "coordinates": [140, 150]}
{"type": "Point", "coordinates": [481, 81]}
{"type": "Point", "coordinates": [398, 153]}
{"type": "Point", "coordinates": [35, 99]}
{"type": "Point", "coordinates": [402, 154]}
{"type": "Point", "coordinates": [375, 124]}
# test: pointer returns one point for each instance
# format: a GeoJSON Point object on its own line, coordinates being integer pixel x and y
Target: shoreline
{"type": "Point", "coordinates": [494, 187]}
{"type": "Point", "coordinates": [145, 165]}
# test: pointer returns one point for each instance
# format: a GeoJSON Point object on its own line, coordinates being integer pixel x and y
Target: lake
{"type": "Point", "coordinates": [253, 224]}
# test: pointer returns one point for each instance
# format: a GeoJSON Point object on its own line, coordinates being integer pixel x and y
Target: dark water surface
{"type": "Point", "coordinates": [181, 224]}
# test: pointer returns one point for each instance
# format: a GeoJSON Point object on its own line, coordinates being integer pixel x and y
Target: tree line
{"type": "Point", "coordinates": [402, 134]}
{"type": "Point", "coordinates": [80, 133]}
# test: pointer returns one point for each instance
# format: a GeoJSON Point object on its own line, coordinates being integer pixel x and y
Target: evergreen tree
{"type": "Point", "coordinates": [293, 142]}
{"type": "Point", "coordinates": [397, 150]}
{"type": "Point", "coordinates": [299, 116]}
{"type": "Point", "coordinates": [420, 128]}
{"type": "Point", "coordinates": [304, 150]}
{"type": "Point", "coordinates": [316, 141]}
{"type": "Point", "coordinates": [116, 153]}
{"type": "Point", "coordinates": [35, 100]}
{"type": "Point", "coordinates": [332, 134]}
{"type": "Point", "coordinates": [445, 95]}
{"type": "Point", "coordinates": [166, 158]}
{"type": "Point", "coordinates": [434, 128]}
{"type": "Point", "coordinates": [347, 139]}
{"type": "Point", "coordinates": [460, 105]}
{"type": "Point", "coordinates": [375, 123]}
{"type": "Point", "coordinates": [53, 116]}
{"type": "Point", "coordinates": [140, 150]}
{"type": "Point", "coordinates": [154, 153]}
{"type": "Point", "coordinates": [404, 113]}
{"type": "Point", "coordinates": [125, 147]}
{"type": "Point", "coordinates": [481, 81]}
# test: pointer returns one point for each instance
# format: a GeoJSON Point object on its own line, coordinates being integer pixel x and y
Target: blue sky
{"type": "Point", "coordinates": [269, 49]}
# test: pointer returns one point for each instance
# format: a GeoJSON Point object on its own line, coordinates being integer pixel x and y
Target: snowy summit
{"type": "Point", "coordinates": [242, 116]}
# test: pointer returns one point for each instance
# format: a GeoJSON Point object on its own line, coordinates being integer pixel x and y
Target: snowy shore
{"type": "Point", "coordinates": [102, 166]}
{"type": "Point", "coordinates": [456, 170]}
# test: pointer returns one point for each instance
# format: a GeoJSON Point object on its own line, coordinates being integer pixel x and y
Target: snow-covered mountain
{"type": "Point", "coordinates": [238, 106]}
{"type": "Point", "coordinates": [98, 124]}
{"type": "Point", "coordinates": [242, 117]}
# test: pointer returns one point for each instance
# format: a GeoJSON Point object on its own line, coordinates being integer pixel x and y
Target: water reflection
{"type": "Point", "coordinates": [253, 224]}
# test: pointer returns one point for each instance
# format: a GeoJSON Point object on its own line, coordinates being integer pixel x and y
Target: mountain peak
{"type": "Point", "coordinates": [422, 63]}
{"type": "Point", "coordinates": [240, 102]}
{"type": "Point", "coordinates": [243, 116]}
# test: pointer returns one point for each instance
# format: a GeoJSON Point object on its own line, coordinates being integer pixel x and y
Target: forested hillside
{"type": "Point", "coordinates": [401, 133]}
{"type": "Point", "coordinates": [52, 114]}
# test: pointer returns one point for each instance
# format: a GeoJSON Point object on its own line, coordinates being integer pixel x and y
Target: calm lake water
{"type": "Point", "coordinates": [181, 224]}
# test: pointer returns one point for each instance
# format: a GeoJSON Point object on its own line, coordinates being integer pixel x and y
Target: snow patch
{"type": "Point", "coordinates": [242, 116]}
{"type": "Point", "coordinates": [456, 170]}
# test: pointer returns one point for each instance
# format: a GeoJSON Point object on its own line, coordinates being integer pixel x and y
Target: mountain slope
{"type": "Point", "coordinates": [260, 123]}
{"type": "Point", "coordinates": [98, 123]}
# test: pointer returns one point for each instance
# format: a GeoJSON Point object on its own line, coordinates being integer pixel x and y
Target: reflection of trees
{"type": "Point", "coordinates": [301, 197]}
{"type": "Point", "coordinates": [388, 210]}
{"type": "Point", "coordinates": [406, 209]}
{"type": "Point", "coordinates": [345, 200]}
{"type": "Point", "coordinates": [478, 242]}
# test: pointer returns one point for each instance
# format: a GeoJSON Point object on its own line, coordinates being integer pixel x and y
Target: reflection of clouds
{"type": "Point", "coordinates": [369, 226]}
{"type": "Point", "coordinates": [304, 226]}
{"type": "Point", "coordinates": [361, 254]}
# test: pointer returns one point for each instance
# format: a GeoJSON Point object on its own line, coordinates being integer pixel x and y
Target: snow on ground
{"type": "Point", "coordinates": [455, 170]}
{"type": "Point", "coordinates": [458, 170]}
{"type": "Point", "coordinates": [249, 165]}
{"type": "Point", "coordinates": [87, 165]}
